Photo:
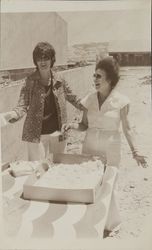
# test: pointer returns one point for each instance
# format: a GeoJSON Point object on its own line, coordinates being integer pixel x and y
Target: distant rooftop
{"type": "Point", "coordinates": [130, 46]}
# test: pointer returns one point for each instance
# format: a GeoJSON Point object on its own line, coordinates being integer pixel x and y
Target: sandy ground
{"type": "Point", "coordinates": [135, 182]}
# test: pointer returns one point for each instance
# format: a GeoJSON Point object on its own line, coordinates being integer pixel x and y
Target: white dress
{"type": "Point", "coordinates": [103, 134]}
{"type": "Point", "coordinates": [103, 137]}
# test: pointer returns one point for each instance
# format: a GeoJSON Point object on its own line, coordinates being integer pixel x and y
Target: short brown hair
{"type": "Point", "coordinates": [44, 49]}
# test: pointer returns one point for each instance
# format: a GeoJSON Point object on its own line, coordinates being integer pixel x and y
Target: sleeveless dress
{"type": "Point", "coordinates": [103, 139]}
{"type": "Point", "coordinates": [103, 133]}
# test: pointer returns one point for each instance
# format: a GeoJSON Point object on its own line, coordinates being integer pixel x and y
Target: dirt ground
{"type": "Point", "coordinates": [135, 182]}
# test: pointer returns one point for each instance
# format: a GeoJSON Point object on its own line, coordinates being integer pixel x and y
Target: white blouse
{"type": "Point", "coordinates": [108, 116]}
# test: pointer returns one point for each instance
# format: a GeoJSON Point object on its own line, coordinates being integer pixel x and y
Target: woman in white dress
{"type": "Point", "coordinates": [105, 110]}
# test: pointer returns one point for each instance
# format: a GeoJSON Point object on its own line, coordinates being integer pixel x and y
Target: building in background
{"type": "Point", "coordinates": [131, 52]}
{"type": "Point", "coordinates": [87, 52]}
{"type": "Point", "coordinates": [127, 52]}
{"type": "Point", "coordinates": [20, 32]}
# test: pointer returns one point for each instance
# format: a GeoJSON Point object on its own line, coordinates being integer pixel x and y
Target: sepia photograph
{"type": "Point", "coordinates": [75, 125]}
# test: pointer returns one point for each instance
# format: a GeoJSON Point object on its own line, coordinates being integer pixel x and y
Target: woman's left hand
{"type": "Point", "coordinates": [65, 127]}
{"type": "Point", "coordinates": [140, 159]}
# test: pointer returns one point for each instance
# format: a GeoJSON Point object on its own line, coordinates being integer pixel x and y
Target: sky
{"type": "Point", "coordinates": [102, 26]}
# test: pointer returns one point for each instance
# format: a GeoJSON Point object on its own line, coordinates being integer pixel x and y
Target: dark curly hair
{"type": "Point", "coordinates": [45, 50]}
{"type": "Point", "coordinates": [111, 67]}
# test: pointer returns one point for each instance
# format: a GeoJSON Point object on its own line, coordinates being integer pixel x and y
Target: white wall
{"type": "Point", "coordinates": [20, 32]}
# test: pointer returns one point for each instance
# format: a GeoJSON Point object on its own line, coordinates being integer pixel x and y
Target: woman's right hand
{"type": "Point", "coordinates": [7, 117]}
{"type": "Point", "coordinates": [4, 119]}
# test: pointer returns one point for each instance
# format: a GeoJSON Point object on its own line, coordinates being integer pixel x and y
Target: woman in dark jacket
{"type": "Point", "coordinates": [43, 98]}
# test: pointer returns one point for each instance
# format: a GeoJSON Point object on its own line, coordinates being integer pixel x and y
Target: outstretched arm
{"type": "Point", "coordinates": [130, 136]}
{"type": "Point", "coordinates": [72, 98]}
